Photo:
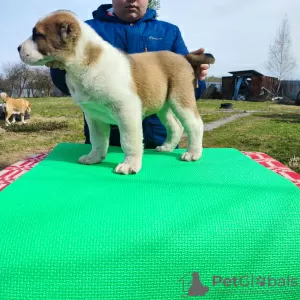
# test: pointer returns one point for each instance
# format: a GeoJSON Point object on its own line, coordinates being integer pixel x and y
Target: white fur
{"type": "Point", "coordinates": [104, 93]}
{"type": "Point", "coordinates": [30, 54]}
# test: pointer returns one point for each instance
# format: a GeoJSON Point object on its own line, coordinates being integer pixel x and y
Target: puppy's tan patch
{"type": "Point", "coordinates": [57, 35]}
{"type": "Point", "coordinates": [149, 82]}
{"type": "Point", "coordinates": [92, 54]}
{"type": "Point", "coordinates": [160, 76]}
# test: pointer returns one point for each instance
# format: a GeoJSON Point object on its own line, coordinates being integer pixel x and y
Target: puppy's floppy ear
{"type": "Point", "coordinates": [67, 30]}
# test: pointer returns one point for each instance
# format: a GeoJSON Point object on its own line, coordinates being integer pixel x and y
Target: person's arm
{"type": "Point", "coordinates": [180, 48]}
{"type": "Point", "coordinates": [179, 44]}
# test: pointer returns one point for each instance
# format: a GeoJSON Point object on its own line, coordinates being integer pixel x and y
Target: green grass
{"type": "Point", "coordinates": [55, 120]}
{"type": "Point", "coordinates": [214, 116]}
{"type": "Point", "coordinates": [52, 121]}
{"type": "Point", "coordinates": [214, 105]}
{"type": "Point", "coordinates": [39, 127]}
{"type": "Point", "coordinates": [274, 134]}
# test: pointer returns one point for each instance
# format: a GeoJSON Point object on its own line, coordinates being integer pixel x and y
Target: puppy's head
{"type": "Point", "coordinates": [3, 96]}
{"type": "Point", "coordinates": [54, 37]}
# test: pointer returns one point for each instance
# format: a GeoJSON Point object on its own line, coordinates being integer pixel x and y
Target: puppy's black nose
{"type": "Point", "coordinates": [19, 48]}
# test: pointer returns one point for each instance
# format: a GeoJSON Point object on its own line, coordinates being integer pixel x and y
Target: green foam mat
{"type": "Point", "coordinates": [223, 225]}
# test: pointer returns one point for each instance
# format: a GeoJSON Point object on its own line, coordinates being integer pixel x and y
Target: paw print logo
{"type": "Point", "coordinates": [197, 288]}
{"type": "Point", "coordinates": [261, 281]}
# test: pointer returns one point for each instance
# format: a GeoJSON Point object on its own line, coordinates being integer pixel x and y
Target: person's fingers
{"type": "Point", "coordinates": [199, 51]}
{"type": "Point", "coordinates": [203, 74]}
{"type": "Point", "coordinates": [204, 67]}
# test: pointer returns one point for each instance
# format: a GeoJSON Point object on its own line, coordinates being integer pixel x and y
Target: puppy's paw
{"type": "Point", "coordinates": [164, 148]}
{"type": "Point", "coordinates": [191, 156]}
{"type": "Point", "coordinates": [126, 168]}
{"type": "Point", "coordinates": [91, 159]}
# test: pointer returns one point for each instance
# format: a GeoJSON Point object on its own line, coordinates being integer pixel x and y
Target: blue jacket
{"type": "Point", "coordinates": [148, 34]}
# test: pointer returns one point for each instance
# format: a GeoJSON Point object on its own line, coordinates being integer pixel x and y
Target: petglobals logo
{"type": "Point", "coordinates": [194, 286]}
{"type": "Point", "coordinates": [253, 280]}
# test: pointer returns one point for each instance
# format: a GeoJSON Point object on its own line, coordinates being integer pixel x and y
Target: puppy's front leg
{"type": "Point", "coordinates": [131, 135]}
{"type": "Point", "coordinates": [99, 137]}
{"type": "Point", "coordinates": [7, 123]}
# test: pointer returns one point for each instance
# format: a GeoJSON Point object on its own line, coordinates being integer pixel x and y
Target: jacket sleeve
{"type": "Point", "coordinates": [59, 80]}
{"type": "Point", "coordinates": [180, 48]}
{"type": "Point", "coordinates": [179, 44]}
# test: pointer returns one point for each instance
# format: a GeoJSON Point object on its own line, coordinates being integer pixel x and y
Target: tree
{"type": "Point", "coordinates": [19, 79]}
{"type": "Point", "coordinates": [154, 4]}
{"type": "Point", "coordinates": [2, 83]}
{"type": "Point", "coordinates": [281, 61]}
{"type": "Point", "coordinates": [45, 82]}
{"type": "Point", "coordinates": [40, 84]}
{"type": "Point", "coordinates": [16, 77]}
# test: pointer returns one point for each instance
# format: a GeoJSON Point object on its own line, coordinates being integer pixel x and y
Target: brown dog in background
{"type": "Point", "coordinates": [15, 106]}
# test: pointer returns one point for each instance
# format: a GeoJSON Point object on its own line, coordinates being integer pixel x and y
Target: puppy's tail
{"type": "Point", "coordinates": [199, 59]}
{"type": "Point", "coordinates": [196, 60]}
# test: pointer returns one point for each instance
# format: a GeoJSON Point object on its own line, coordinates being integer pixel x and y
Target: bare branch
{"type": "Point", "coordinates": [281, 61]}
{"type": "Point", "coordinates": [18, 79]}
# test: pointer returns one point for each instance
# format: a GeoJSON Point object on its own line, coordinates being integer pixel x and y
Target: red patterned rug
{"type": "Point", "coordinates": [11, 173]}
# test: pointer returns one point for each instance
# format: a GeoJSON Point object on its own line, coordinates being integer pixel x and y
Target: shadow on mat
{"type": "Point", "coordinates": [68, 156]}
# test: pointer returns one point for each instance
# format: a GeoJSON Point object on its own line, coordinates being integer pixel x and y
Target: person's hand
{"type": "Point", "coordinates": [204, 68]}
{"type": "Point", "coordinates": [55, 65]}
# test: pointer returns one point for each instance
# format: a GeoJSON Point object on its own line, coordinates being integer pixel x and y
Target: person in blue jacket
{"type": "Point", "coordinates": [132, 27]}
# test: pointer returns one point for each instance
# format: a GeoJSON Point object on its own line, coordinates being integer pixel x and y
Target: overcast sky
{"type": "Point", "coordinates": [238, 33]}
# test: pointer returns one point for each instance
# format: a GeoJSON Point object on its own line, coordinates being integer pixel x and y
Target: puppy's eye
{"type": "Point", "coordinates": [39, 35]}
{"type": "Point", "coordinates": [36, 34]}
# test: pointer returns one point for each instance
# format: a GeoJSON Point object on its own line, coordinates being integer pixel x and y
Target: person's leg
{"type": "Point", "coordinates": [114, 138]}
{"type": "Point", "coordinates": [86, 131]}
{"type": "Point", "coordinates": [201, 89]}
{"type": "Point", "coordinates": [155, 132]}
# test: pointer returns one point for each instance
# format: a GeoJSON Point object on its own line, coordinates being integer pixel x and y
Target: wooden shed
{"type": "Point", "coordinates": [246, 85]}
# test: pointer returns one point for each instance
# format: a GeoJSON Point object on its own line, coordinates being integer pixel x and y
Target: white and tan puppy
{"type": "Point", "coordinates": [112, 87]}
{"type": "Point", "coordinates": [15, 106]}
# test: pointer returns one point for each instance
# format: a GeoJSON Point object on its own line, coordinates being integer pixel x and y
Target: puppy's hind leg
{"type": "Point", "coordinates": [23, 118]}
{"type": "Point", "coordinates": [13, 119]}
{"type": "Point", "coordinates": [173, 127]}
{"type": "Point", "coordinates": [186, 111]}
{"type": "Point", "coordinates": [99, 136]}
